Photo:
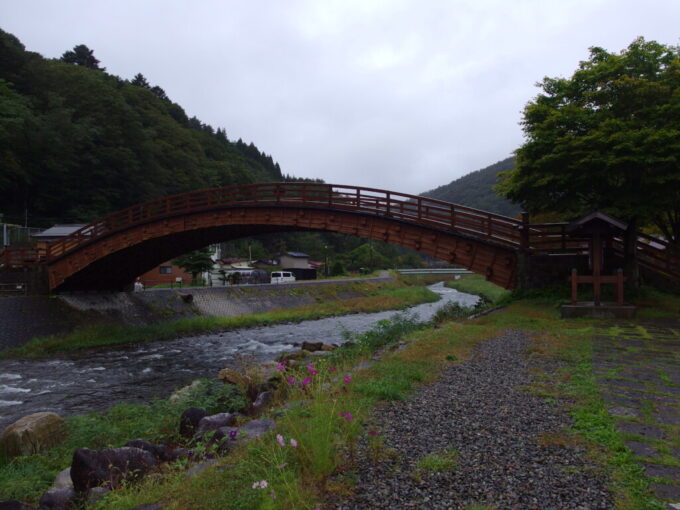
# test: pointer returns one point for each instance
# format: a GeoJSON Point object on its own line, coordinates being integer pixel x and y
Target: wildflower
{"type": "Point", "coordinates": [373, 432]}
{"type": "Point", "coordinates": [306, 381]}
{"type": "Point", "coordinates": [281, 366]}
{"type": "Point", "coordinates": [280, 440]}
{"type": "Point", "coordinates": [347, 379]}
{"type": "Point", "coordinates": [293, 443]}
{"type": "Point", "coordinates": [281, 466]}
{"type": "Point", "coordinates": [262, 484]}
{"type": "Point", "coordinates": [347, 416]}
{"type": "Point", "coordinates": [272, 493]}
{"type": "Point", "coordinates": [332, 369]}
{"type": "Point", "coordinates": [312, 371]}
{"type": "Point", "coordinates": [291, 380]}
{"type": "Point", "coordinates": [232, 434]}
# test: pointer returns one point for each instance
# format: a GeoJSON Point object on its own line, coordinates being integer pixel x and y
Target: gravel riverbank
{"type": "Point", "coordinates": [501, 434]}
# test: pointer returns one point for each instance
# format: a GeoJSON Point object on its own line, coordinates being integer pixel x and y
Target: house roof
{"type": "Point", "coordinates": [60, 230]}
{"type": "Point", "coordinates": [298, 254]}
{"type": "Point", "coordinates": [594, 219]}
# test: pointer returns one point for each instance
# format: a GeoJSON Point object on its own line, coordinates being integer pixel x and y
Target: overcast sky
{"type": "Point", "coordinates": [404, 95]}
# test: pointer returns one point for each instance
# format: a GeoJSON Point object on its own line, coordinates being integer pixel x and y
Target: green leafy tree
{"type": "Point", "coordinates": [195, 262]}
{"type": "Point", "coordinates": [607, 138]}
{"type": "Point", "coordinates": [81, 55]}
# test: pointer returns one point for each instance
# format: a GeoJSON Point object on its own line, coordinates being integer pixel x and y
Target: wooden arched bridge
{"type": "Point", "coordinates": [110, 252]}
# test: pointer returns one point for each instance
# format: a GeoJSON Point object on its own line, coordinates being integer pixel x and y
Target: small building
{"type": "Point", "coordinates": [54, 233]}
{"type": "Point", "coordinates": [165, 274]}
{"type": "Point", "coordinates": [294, 260]}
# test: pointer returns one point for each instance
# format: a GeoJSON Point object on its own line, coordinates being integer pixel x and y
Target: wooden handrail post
{"type": "Point", "coordinates": [524, 233]}
{"type": "Point", "coordinates": [574, 286]}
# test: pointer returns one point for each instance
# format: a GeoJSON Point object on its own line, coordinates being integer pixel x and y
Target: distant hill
{"type": "Point", "coordinates": [77, 142]}
{"type": "Point", "coordinates": [476, 190]}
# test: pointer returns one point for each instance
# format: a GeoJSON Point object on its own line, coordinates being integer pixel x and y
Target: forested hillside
{"type": "Point", "coordinates": [77, 143]}
{"type": "Point", "coordinates": [476, 190]}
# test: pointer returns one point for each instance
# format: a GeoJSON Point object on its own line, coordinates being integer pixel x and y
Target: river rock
{"type": "Point", "coordinates": [190, 419]}
{"type": "Point", "coordinates": [13, 504]}
{"type": "Point", "coordinates": [214, 422]}
{"type": "Point", "coordinates": [293, 356]}
{"type": "Point", "coordinates": [94, 494]}
{"type": "Point", "coordinates": [261, 402]}
{"type": "Point", "coordinates": [92, 468]}
{"type": "Point", "coordinates": [150, 506]}
{"type": "Point", "coordinates": [256, 428]}
{"type": "Point", "coordinates": [58, 498]}
{"type": "Point", "coordinates": [63, 479]}
{"type": "Point", "coordinates": [160, 451]}
{"type": "Point", "coordinates": [200, 467]}
{"type": "Point", "coordinates": [312, 346]}
{"type": "Point", "coordinates": [32, 434]}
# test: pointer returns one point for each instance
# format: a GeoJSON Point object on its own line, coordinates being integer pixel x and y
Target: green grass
{"type": "Point", "coordinates": [376, 297]}
{"type": "Point", "coordinates": [438, 462]}
{"type": "Point", "coordinates": [477, 284]}
{"type": "Point", "coordinates": [25, 478]}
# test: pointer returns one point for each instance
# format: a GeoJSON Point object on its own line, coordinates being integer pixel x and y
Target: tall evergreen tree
{"type": "Point", "coordinates": [81, 55]}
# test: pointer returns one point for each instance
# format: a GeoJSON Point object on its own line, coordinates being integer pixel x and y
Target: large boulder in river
{"type": "Point", "coordinates": [91, 468]}
{"type": "Point", "coordinates": [32, 434]}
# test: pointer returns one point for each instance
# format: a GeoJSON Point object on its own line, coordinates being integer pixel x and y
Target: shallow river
{"type": "Point", "coordinates": [97, 379]}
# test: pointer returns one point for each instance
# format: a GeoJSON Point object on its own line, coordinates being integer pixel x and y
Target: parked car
{"type": "Point", "coordinates": [282, 277]}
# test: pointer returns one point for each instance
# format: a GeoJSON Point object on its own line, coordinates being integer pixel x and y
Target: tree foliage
{"type": "Point", "coordinates": [195, 262]}
{"type": "Point", "coordinates": [606, 138]}
{"type": "Point", "coordinates": [77, 143]}
{"type": "Point", "coordinates": [81, 55]}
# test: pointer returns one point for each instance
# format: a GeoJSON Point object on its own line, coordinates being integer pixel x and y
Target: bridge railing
{"type": "Point", "coordinates": [421, 210]}
{"type": "Point", "coordinates": [539, 238]}
{"type": "Point", "coordinates": [19, 257]}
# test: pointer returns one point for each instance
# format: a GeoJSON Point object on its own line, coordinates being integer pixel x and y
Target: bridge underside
{"type": "Point", "coordinates": [114, 260]}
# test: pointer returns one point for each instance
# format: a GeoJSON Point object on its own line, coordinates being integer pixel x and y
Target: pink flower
{"type": "Point", "coordinates": [281, 466]}
{"type": "Point", "coordinates": [281, 366]}
{"type": "Point", "coordinates": [262, 484]}
{"type": "Point", "coordinates": [347, 416]}
{"type": "Point", "coordinates": [291, 380]}
{"type": "Point", "coordinates": [332, 369]}
{"type": "Point", "coordinates": [347, 379]}
{"type": "Point", "coordinates": [312, 371]}
{"type": "Point", "coordinates": [280, 440]}
{"type": "Point", "coordinates": [306, 381]}
{"type": "Point", "coordinates": [293, 443]}
{"type": "Point", "coordinates": [373, 432]}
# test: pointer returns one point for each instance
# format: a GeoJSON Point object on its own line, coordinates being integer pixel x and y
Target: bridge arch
{"type": "Point", "coordinates": [108, 253]}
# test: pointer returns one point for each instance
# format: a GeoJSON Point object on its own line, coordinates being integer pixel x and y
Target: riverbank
{"type": "Point", "coordinates": [161, 315]}
{"type": "Point", "coordinates": [342, 429]}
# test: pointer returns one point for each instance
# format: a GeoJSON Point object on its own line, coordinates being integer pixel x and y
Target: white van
{"type": "Point", "coordinates": [282, 277]}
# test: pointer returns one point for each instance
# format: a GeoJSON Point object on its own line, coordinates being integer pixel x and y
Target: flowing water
{"type": "Point", "coordinates": [97, 379]}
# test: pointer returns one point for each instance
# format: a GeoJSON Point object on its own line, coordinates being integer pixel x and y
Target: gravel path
{"type": "Point", "coordinates": [479, 409]}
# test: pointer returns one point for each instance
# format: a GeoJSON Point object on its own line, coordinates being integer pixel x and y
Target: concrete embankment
{"type": "Point", "coordinates": [23, 318]}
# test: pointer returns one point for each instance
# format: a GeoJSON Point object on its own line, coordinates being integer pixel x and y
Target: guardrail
{"type": "Point", "coordinates": [13, 289]}
{"type": "Point", "coordinates": [453, 270]}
